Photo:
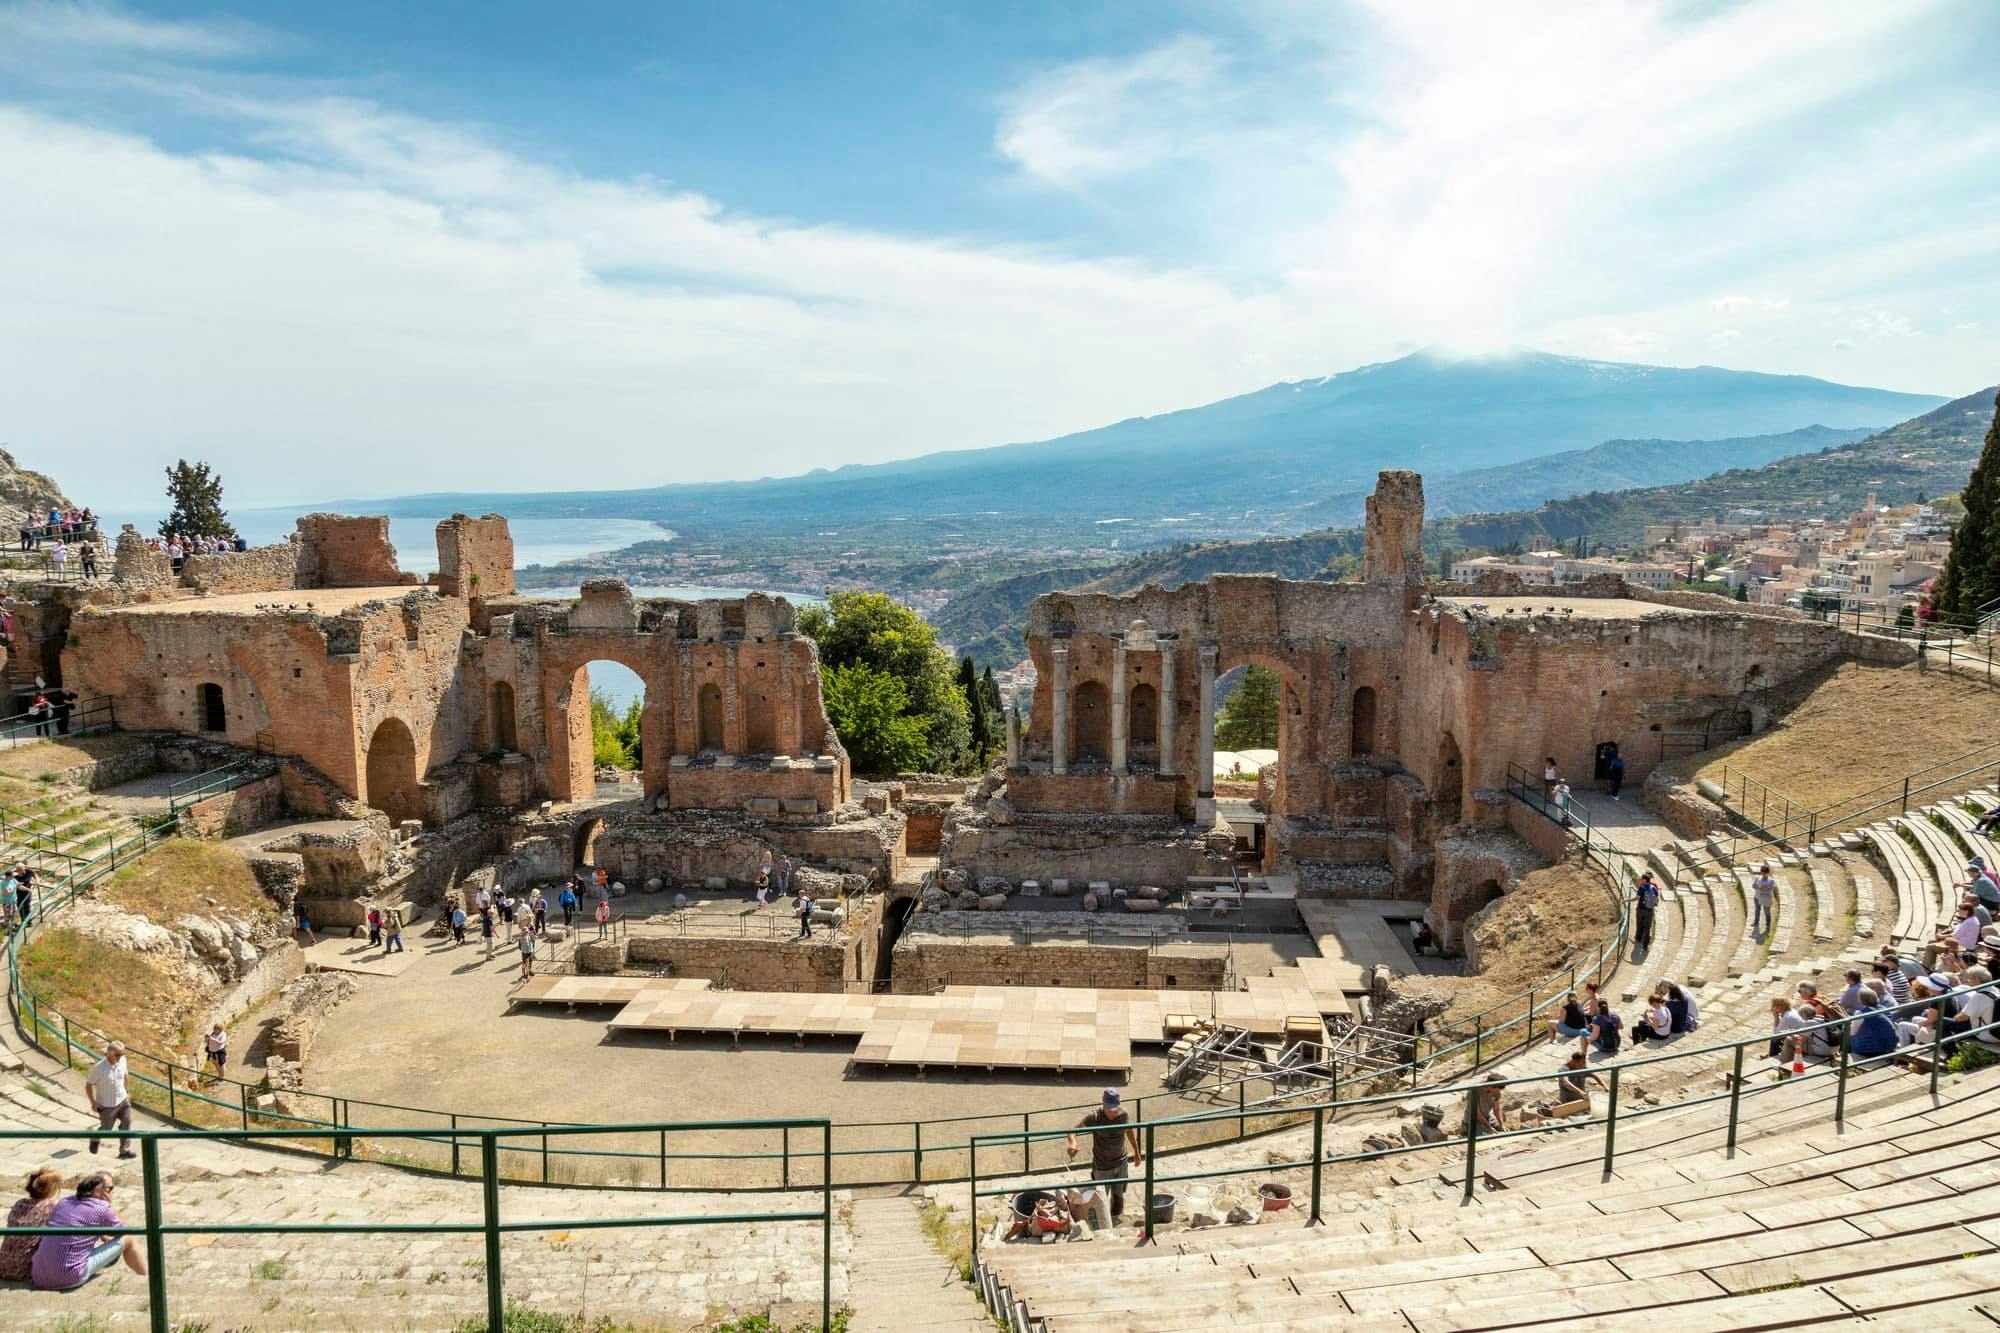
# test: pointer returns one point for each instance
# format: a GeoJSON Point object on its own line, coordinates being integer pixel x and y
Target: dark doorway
{"type": "Point", "coordinates": [214, 716]}
{"type": "Point", "coordinates": [503, 716]}
{"type": "Point", "coordinates": [708, 701]}
{"type": "Point", "coordinates": [1364, 722]}
{"type": "Point", "coordinates": [1449, 780]}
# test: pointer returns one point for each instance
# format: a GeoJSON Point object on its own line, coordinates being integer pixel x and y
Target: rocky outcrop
{"type": "Point", "coordinates": [23, 493]}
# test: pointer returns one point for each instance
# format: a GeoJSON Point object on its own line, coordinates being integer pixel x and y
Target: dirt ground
{"type": "Point", "coordinates": [1556, 913]}
{"type": "Point", "coordinates": [440, 1036]}
{"type": "Point", "coordinates": [1852, 727]}
{"type": "Point", "coordinates": [52, 756]}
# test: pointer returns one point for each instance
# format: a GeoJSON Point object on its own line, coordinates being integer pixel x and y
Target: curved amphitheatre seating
{"type": "Point", "coordinates": [1895, 1218]}
{"type": "Point", "coordinates": [1945, 860]}
{"type": "Point", "coordinates": [1966, 824]}
{"type": "Point", "coordinates": [649, 1276]}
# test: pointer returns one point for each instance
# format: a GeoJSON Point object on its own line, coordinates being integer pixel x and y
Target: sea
{"type": "Point", "coordinates": [537, 541]}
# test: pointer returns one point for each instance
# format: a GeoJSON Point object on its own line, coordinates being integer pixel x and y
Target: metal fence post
{"type": "Point", "coordinates": [489, 1193]}
{"type": "Point", "coordinates": [826, 1229]}
{"type": "Point", "coordinates": [1840, 1093]}
{"type": "Point", "coordinates": [1319, 1152]}
{"type": "Point", "coordinates": [1146, 1199]}
{"type": "Point", "coordinates": [1241, 1128]}
{"type": "Point", "coordinates": [785, 1166]}
{"type": "Point", "coordinates": [1611, 1123]}
{"type": "Point", "coordinates": [156, 1241]}
{"type": "Point", "coordinates": [663, 1159]}
{"type": "Point", "coordinates": [454, 1143]}
{"type": "Point", "coordinates": [1735, 1099]}
{"type": "Point", "coordinates": [972, 1191]}
{"type": "Point", "coordinates": [1471, 1140]}
{"type": "Point", "coordinates": [1478, 1038]}
{"type": "Point", "coordinates": [917, 1148]}
{"type": "Point", "coordinates": [1937, 1048]}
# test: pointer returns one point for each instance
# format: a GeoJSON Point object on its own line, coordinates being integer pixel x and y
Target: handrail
{"type": "Point", "coordinates": [186, 791]}
{"type": "Point", "coordinates": [87, 716]}
{"type": "Point", "coordinates": [1471, 1093]}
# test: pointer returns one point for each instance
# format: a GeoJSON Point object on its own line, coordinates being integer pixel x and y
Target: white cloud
{"type": "Point", "coordinates": [1097, 120]}
{"type": "Point", "coordinates": [1760, 305]}
{"type": "Point", "coordinates": [50, 27]}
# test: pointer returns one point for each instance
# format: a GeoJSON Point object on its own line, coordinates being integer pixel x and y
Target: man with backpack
{"type": "Point", "coordinates": [1645, 900]}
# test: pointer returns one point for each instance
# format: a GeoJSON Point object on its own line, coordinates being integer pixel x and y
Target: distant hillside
{"type": "Point", "coordinates": [1930, 455]}
{"type": "Point", "coordinates": [23, 492]}
{"type": "Point", "coordinates": [1613, 465]}
{"type": "Point", "coordinates": [1269, 459]}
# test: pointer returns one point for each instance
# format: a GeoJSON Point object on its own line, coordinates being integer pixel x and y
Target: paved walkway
{"type": "Point", "coordinates": [899, 1282]}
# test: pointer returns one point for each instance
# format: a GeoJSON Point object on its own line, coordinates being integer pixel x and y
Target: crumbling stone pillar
{"type": "Point", "coordinates": [1059, 700]}
{"type": "Point", "coordinates": [1392, 544]}
{"type": "Point", "coordinates": [1120, 724]}
{"type": "Point", "coordinates": [732, 705]}
{"type": "Point", "coordinates": [1013, 737]}
{"type": "Point", "coordinates": [1167, 650]}
{"type": "Point", "coordinates": [1204, 778]}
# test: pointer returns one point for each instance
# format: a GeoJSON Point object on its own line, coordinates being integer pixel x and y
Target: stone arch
{"type": "Point", "coordinates": [394, 785]}
{"type": "Point", "coordinates": [214, 712]}
{"type": "Point", "coordinates": [1490, 891]}
{"type": "Point", "coordinates": [710, 732]}
{"type": "Point", "coordinates": [584, 845]}
{"type": "Point", "coordinates": [504, 731]}
{"type": "Point", "coordinates": [1448, 780]}
{"type": "Point", "coordinates": [1090, 723]}
{"type": "Point", "coordinates": [1362, 738]}
{"type": "Point", "coordinates": [1142, 710]}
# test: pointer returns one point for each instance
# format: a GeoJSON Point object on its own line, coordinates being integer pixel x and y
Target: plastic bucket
{"type": "Point", "coordinates": [1163, 1208]}
{"type": "Point", "coordinates": [1276, 1197]}
{"type": "Point", "coordinates": [1024, 1203]}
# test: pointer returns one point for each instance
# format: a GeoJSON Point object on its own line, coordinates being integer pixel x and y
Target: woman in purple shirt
{"type": "Point", "coordinates": [62, 1262]}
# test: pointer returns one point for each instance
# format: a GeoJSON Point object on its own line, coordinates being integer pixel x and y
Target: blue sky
{"type": "Point", "coordinates": [365, 248]}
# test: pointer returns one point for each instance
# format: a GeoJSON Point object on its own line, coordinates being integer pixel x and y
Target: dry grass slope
{"type": "Point", "coordinates": [34, 762]}
{"type": "Point", "coordinates": [1846, 729]}
{"type": "Point", "coordinates": [186, 877]}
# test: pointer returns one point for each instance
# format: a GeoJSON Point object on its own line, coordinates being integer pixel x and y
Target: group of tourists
{"type": "Point", "coordinates": [50, 710]}
{"type": "Point", "coordinates": [17, 894]}
{"type": "Point", "coordinates": [59, 525]}
{"type": "Point", "coordinates": [177, 547]}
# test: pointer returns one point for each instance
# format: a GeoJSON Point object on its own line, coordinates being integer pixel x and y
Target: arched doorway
{"type": "Point", "coordinates": [394, 785]}
{"type": "Point", "coordinates": [504, 737]}
{"type": "Point", "coordinates": [1448, 782]}
{"type": "Point", "coordinates": [708, 717]}
{"type": "Point", "coordinates": [616, 703]}
{"type": "Point", "coordinates": [584, 848]}
{"type": "Point", "coordinates": [214, 713]}
{"type": "Point", "coordinates": [1489, 892]}
{"type": "Point", "coordinates": [1362, 741]}
{"type": "Point", "coordinates": [1090, 724]}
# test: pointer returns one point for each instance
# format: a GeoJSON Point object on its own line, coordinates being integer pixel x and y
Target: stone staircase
{"type": "Point", "coordinates": [58, 828]}
{"type": "Point", "coordinates": [648, 1277]}
{"type": "Point", "coordinates": [899, 1283]}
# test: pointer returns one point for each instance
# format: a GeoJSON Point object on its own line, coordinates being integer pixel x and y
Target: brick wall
{"type": "Point", "coordinates": [350, 552]}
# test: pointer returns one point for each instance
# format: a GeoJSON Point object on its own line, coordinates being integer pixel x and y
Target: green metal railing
{"type": "Point", "coordinates": [1839, 1068]}
{"type": "Point", "coordinates": [184, 792]}
{"type": "Point", "coordinates": [87, 717]}
{"type": "Point", "coordinates": [155, 1227]}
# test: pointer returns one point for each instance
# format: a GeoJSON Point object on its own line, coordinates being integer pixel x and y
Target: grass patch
{"type": "Point", "coordinates": [188, 877]}
{"type": "Point", "coordinates": [950, 1235]}
{"type": "Point", "coordinates": [53, 756]}
{"type": "Point", "coordinates": [269, 1270]}
{"type": "Point", "coordinates": [115, 991]}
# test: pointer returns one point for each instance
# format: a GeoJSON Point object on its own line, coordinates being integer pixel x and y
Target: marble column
{"type": "Point", "coordinates": [1204, 778]}
{"type": "Point", "coordinates": [1013, 737]}
{"type": "Point", "coordinates": [1059, 702]}
{"type": "Point", "coordinates": [1120, 724]}
{"type": "Point", "coordinates": [1167, 650]}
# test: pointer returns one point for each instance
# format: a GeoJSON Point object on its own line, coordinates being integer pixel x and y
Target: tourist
{"type": "Point", "coordinates": [763, 891]}
{"type": "Point", "coordinates": [1486, 1106]}
{"type": "Point", "coordinates": [1422, 941]}
{"type": "Point", "coordinates": [216, 1047]}
{"type": "Point", "coordinates": [527, 947]}
{"type": "Point", "coordinates": [457, 926]}
{"type": "Point", "coordinates": [8, 905]}
{"type": "Point", "coordinates": [392, 930]}
{"type": "Point", "coordinates": [506, 908]}
{"type": "Point", "coordinates": [603, 917]}
{"type": "Point", "coordinates": [803, 909]}
{"type": "Point", "coordinates": [1562, 803]}
{"type": "Point", "coordinates": [1892, 979]}
{"type": "Point", "coordinates": [540, 906]}
{"type": "Point", "coordinates": [24, 892]}
{"type": "Point", "coordinates": [784, 871]}
{"type": "Point", "coordinates": [1680, 1009]}
{"type": "Point", "coordinates": [1614, 776]}
{"type": "Point", "coordinates": [1551, 775]}
{"type": "Point", "coordinates": [1656, 1023]}
{"type": "Point", "coordinates": [1605, 1027]}
{"type": "Point", "coordinates": [61, 707]}
{"type": "Point", "coordinates": [1851, 998]}
{"type": "Point", "coordinates": [1973, 1003]}
{"type": "Point", "coordinates": [486, 927]}
{"type": "Point", "coordinates": [568, 902]}
{"type": "Point", "coordinates": [374, 927]}
{"type": "Point", "coordinates": [87, 556]}
{"type": "Point", "coordinates": [1111, 1134]}
{"type": "Point", "coordinates": [105, 1086]}
{"type": "Point", "coordinates": [1915, 1026]}
{"type": "Point", "coordinates": [1875, 1033]}
{"type": "Point", "coordinates": [603, 882]}
{"type": "Point", "coordinates": [1989, 823]}
{"type": "Point", "coordinates": [1573, 1024]}
{"type": "Point", "coordinates": [39, 713]}
{"type": "Point", "coordinates": [482, 901]}
{"type": "Point", "coordinates": [763, 877]}
{"type": "Point", "coordinates": [58, 556]}
{"type": "Point", "coordinates": [1645, 900]}
{"type": "Point", "coordinates": [1763, 902]}
{"type": "Point", "coordinates": [44, 1188]}
{"type": "Point", "coordinates": [62, 1263]}
{"type": "Point", "coordinates": [303, 925]}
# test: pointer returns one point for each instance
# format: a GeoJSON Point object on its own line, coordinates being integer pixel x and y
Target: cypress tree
{"type": "Point", "coordinates": [1971, 575]}
{"type": "Point", "coordinates": [975, 705]}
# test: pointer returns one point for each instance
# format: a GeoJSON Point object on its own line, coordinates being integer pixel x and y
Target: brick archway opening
{"type": "Point", "coordinates": [394, 785]}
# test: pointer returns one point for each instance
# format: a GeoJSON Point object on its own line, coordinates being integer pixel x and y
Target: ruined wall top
{"type": "Point", "coordinates": [608, 604]}
{"type": "Point", "coordinates": [1239, 607]}
{"type": "Point", "coordinates": [475, 556]}
{"type": "Point", "coordinates": [1393, 547]}
{"type": "Point", "coordinates": [351, 552]}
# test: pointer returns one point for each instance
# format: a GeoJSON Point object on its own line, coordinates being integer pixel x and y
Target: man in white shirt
{"type": "Point", "coordinates": [105, 1087]}
{"type": "Point", "coordinates": [1974, 1001]}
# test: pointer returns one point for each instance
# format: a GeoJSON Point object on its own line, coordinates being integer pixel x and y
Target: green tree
{"type": "Point", "coordinates": [1248, 719]}
{"type": "Point", "coordinates": [196, 495]}
{"type": "Point", "coordinates": [994, 705]}
{"type": "Point", "coordinates": [607, 733]}
{"type": "Point", "coordinates": [1971, 575]}
{"type": "Point", "coordinates": [1742, 592]}
{"type": "Point", "coordinates": [870, 710]}
{"type": "Point", "coordinates": [979, 714]}
{"type": "Point", "coordinates": [869, 629]}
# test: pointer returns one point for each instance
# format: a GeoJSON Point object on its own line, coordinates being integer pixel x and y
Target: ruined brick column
{"type": "Point", "coordinates": [732, 707]}
{"type": "Point", "coordinates": [1204, 778]}
{"type": "Point", "coordinates": [1059, 700]}
{"type": "Point", "coordinates": [687, 731]}
{"type": "Point", "coordinates": [1119, 722]}
{"type": "Point", "coordinates": [1168, 647]}
{"type": "Point", "coordinates": [1013, 737]}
